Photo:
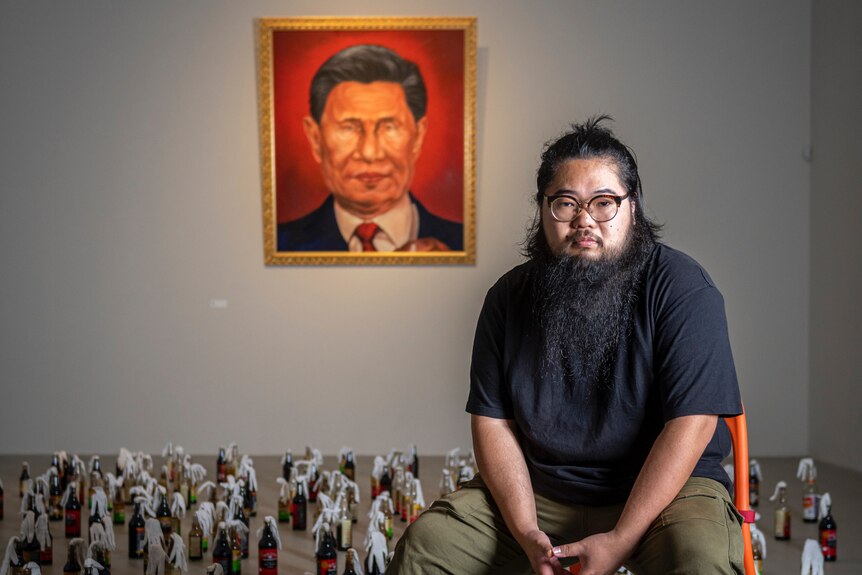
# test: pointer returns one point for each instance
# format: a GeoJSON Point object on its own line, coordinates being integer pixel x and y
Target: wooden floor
{"type": "Point", "coordinates": [783, 557]}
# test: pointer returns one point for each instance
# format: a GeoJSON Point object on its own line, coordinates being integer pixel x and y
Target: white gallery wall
{"type": "Point", "coordinates": [130, 197]}
{"type": "Point", "coordinates": [835, 388]}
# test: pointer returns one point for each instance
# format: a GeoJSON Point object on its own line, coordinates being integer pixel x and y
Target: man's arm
{"type": "Point", "coordinates": [503, 469]}
{"type": "Point", "coordinates": [666, 469]}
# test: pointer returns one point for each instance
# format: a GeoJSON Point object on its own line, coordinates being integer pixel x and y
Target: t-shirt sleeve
{"type": "Point", "coordinates": [488, 396]}
{"type": "Point", "coordinates": [693, 359]}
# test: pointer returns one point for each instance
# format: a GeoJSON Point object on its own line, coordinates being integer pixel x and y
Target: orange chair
{"type": "Point", "coordinates": [739, 435]}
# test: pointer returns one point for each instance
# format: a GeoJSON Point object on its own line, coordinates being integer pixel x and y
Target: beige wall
{"type": "Point", "coordinates": [130, 197]}
{"type": "Point", "coordinates": [835, 391]}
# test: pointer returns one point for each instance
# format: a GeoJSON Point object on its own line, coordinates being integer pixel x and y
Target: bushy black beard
{"type": "Point", "coordinates": [585, 310]}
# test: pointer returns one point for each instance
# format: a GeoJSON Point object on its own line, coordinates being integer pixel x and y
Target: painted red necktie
{"type": "Point", "coordinates": [366, 232]}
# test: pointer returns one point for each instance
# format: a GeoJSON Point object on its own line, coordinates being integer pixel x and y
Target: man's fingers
{"type": "Point", "coordinates": [570, 550]}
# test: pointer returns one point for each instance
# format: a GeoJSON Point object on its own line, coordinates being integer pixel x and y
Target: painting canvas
{"type": "Point", "coordinates": [368, 140]}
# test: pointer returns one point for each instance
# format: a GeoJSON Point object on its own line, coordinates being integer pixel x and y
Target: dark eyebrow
{"type": "Point", "coordinates": [574, 194]}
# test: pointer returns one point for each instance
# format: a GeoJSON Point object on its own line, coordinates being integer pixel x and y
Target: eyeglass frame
{"type": "Point", "coordinates": [618, 200]}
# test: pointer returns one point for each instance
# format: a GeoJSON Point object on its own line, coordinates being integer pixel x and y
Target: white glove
{"type": "Point", "coordinates": [812, 558]}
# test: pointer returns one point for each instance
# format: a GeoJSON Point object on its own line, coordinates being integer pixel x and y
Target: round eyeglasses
{"type": "Point", "coordinates": [602, 208]}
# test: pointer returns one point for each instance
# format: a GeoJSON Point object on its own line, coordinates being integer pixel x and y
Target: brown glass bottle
{"type": "Point", "coordinates": [196, 538]}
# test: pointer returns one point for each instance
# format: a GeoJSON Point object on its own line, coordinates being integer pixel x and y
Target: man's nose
{"type": "Point", "coordinates": [583, 220]}
{"type": "Point", "coordinates": [370, 149]}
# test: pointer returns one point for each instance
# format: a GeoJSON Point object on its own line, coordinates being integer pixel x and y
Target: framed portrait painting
{"type": "Point", "coordinates": [367, 129]}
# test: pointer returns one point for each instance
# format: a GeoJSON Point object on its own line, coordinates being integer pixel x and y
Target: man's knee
{"type": "Point", "coordinates": [699, 532]}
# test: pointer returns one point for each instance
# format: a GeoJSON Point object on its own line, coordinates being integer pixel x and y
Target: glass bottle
{"type": "Point", "coordinates": [414, 461]}
{"type": "Point", "coordinates": [95, 517]}
{"type": "Point", "coordinates": [344, 530]}
{"type": "Point", "coordinates": [810, 501]}
{"type": "Point", "coordinates": [55, 495]}
{"type": "Point", "coordinates": [235, 552]}
{"type": "Point", "coordinates": [137, 534]}
{"type": "Point", "coordinates": [829, 536]}
{"type": "Point", "coordinates": [284, 508]}
{"type": "Point", "coordinates": [350, 562]}
{"type": "Point", "coordinates": [313, 476]}
{"type": "Point", "coordinates": [350, 466]}
{"type": "Point", "coordinates": [299, 508]}
{"type": "Point", "coordinates": [73, 514]}
{"type": "Point", "coordinates": [31, 551]}
{"type": "Point", "coordinates": [73, 565]}
{"type": "Point", "coordinates": [196, 538]}
{"type": "Point", "coordinates": [406, 501]}
{"type": "Point", "coordinates": [267, 552]}
{"type": "Point", "coordinates": [221, 549]}
{"type": "Point", "coordinates": [163, 514]}
{"type": "Point", "coordinates": [385, 481]}
{"type": "Point", "coordinates": [753, 485]}
{"type": "Point", "coordinates": [25, 478]}
{"type": "Point", "coordinates": [327, 556]}
{"type": "Point", "coordinates": [47, 554]}
{"type": "Point", "coordinates": [757, 555]}
{"type": "Point", "coordinates": [782, 516]}
{"type": "Point", "coordinates": [221, 469]}
{"type": "Point", "coordinates": [119, 515]}
{"type": "Point", "coordinates": [241, 534]}
{"type": "Point", "coordinates": [1, 500]}
{"type": "Point", "coordinates": [287, 465]}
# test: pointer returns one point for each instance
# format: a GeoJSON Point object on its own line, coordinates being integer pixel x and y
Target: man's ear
{"type": "Point", "coordinates": [421, 127]}
{"type": "Point", "coordinates": [312, 132]}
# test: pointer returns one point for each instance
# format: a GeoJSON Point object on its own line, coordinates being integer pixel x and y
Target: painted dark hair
{"type": "Point", "coordinates": [587, 140]}
{"type": "Point", "coordinates": [368, 63]}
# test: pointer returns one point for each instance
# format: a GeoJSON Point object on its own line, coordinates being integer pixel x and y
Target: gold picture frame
{"type": "Point", "coordinates": [332, 158]}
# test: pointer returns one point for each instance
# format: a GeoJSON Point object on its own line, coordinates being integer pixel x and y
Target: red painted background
{"type": "Point", "coordinates": [297, 54]}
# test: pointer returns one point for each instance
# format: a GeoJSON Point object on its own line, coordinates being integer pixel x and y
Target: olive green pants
{"type": "Point", "coordinates": [464, 534]}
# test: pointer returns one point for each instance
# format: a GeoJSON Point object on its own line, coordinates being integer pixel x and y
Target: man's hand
{"type": "Point", "coordinates": [538, 548]}
{"type": "Point", "coordinates": [424, 245]}
{"type": "Point", "coordinates": [599, 554]}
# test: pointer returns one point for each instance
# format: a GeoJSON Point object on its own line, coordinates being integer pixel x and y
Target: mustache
{"type": "Point", "coordinates": [578, 236]}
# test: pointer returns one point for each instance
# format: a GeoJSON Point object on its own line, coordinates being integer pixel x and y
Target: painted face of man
{"type": "Point", "coordinates": [584, 179]}
{"type": "Point", "coordinates": [367, 144]}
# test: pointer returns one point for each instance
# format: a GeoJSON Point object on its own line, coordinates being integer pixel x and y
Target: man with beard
{"type": "Point", "coordinates": [601, 371]}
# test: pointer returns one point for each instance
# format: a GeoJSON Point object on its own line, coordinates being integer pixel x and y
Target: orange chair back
{"type": "Point", "coordinates": [739, 434]}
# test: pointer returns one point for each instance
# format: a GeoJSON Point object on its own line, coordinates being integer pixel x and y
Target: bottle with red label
{"type": "Point", "coordinates": [828, 530]}
{"type": "Point", "coordinates": [327, 556]}
{"type": "Point", "coordinates": [72, 512]}
{"type": "Point", "coordinates": [267, 547]}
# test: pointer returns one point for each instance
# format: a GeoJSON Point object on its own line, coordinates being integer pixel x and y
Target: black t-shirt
{"type": "Point", "coordinates": [676, 362]}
